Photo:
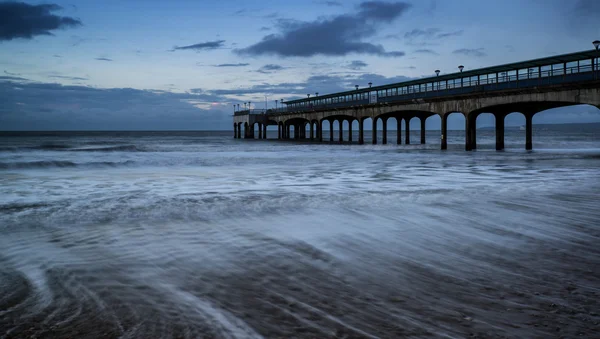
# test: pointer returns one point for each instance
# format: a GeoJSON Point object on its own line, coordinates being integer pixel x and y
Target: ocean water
{"type": "Point", "coordinates": [199, 235]}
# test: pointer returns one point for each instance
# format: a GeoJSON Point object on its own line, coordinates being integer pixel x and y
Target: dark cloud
{"type": "Point", "coordinates": [21, 20]}
{"type": "Point", "coordinates": [264, 29]}
{"type": "Point", "coordinates": [475, 52]}
{"type": "Point", "coordinates": [233, 65]}
{"type": "Point", "coordinates": [67, 77]}
{"type": "Point", "coordinates": [338, 35]}
{"type": "Point", "coordinates": [426, 51]}
{"type": "Point", "coordinates": [357, 65]}
{"type": "Point", "coordinates": [104, 59]}
{"type": "Point", "coordinates": [203, 46]}
{"type": "Point", "coordinates": [270, 68]}
{"type": "Point", "coordinates": [584, 14]}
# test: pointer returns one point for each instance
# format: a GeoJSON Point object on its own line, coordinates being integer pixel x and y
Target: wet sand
{"type": "Point", "coordinates": [290, 289]}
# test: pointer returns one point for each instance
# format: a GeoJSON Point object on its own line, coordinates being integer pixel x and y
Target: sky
{"type": "Point", "coordinates": [182, 65]}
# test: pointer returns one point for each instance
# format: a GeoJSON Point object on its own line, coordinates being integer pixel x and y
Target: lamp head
{"type": "Point", "coordinates": [437, 72]}
{"type": "Point", "coordinates": [596, 43]}
{"type": "Point", "coordinates": [461, 67]}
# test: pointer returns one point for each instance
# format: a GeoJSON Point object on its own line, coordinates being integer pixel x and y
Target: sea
{"type": "Point", "coordinates": [200, 235]}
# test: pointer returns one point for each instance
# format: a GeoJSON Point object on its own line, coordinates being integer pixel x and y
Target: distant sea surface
{"type": "Point", "coordinates": [198, 234]}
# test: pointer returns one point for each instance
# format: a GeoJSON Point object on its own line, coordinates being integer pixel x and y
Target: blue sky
{"type": "Point", "coordinates": [183, 64]}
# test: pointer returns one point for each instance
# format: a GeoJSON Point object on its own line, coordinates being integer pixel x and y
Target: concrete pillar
{"type": "Point", "coordinates": [361, 132]}
{"type": "Point", "coordinates": [499, 131]}
{"type": "Point", "coordinates": [341, 131]}
{"type": "Point", "coordinates": [528, 131]}
{"type": "Point", "coordinates": [444, 132]}
{"type": "Point", "coordinates": [234, 131]}
{"type": "Point", "coordinates": [473, 132]}
{"type": "Point", "coordinates": [320, 130]}
{"type": "Point", "coordinates": [407, 130]}
{"type": "Point", "coordinates": [312, 131]}
{"type": "Point", "coordinates": [467, 134]}
{"type": "Point", "coordinates": [399, 130]}
{"type": "Point", "coordinates": [350, 130]}
{"type": "Point", "coordinates": [288, 131]}
{"type": "Point", "coordinates": [374, 131]}
{"type": "Point", "coordinates": [423, 119]}
{"type": "Point", "coordinates": [330, 130]}
{"type": "Point", "coordinates": [260, 131]}
{"type": "Point", "coordinates": [384, 130]}
{"type": "Point", "coordinates": [264, 131]}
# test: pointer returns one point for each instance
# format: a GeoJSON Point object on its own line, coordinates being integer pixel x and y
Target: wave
{"type": "Point", "coordinates": [60, 164]}
{"type": "Point", "coordinates": [71, 148]}
{"type": "Point", "coordinates": [122, 148]}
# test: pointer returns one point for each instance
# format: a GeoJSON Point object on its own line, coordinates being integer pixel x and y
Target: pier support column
{"type": "Point", "coordinates": [350, 130]}
{"type": "Point", "coordinates": [320, 130]}
{"type": "Point", "coordinates": [528, 131]}
{"type": "Point", "coordinates": [330, 130]}
{"type": "Point", "coordinates": [444, 132]}
{"type": "Point", "coordinates": [399, 130]}
{"type": "Point", "coordinates": [407, 130]}
{"type": "Point", "coordinates": [312, 131]}
{"type": "Point", "coordinates": [384, 130]}
{"type": "Point", "coordinates": [260, 131]}
{"type": "Point", "coordinates": [499, 131]}
{"type": "Point", "coordinates": [423, 119]}
{"type": "Point", "coordinates": [361, 132]}
{"type": "Point", "coordinates": [473, 132]}
{"type": "Point", "coordinates": [265, 131]}
{"type": "Point", "coordinates": [288, 131]}
{"type": "Point", "coordinates": [467, 134]}
{"type": "Point", "coordinates": [234, 131]}
{"type": "Point", "coordinates": [374, 131]}
{"type": "Point", "coordinates": [341, 131]}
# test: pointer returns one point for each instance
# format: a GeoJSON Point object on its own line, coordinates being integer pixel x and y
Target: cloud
{"type": "Point", "coordinates": [430, 33]}
{"type": "Point", "coordinates": [357, 65]}
{"type": "Point", "coordinates": [270, 68]}
{"type": "Point", "coordinates": [335, 36]}
{"type": "Point", "coordinates": [67, 77]}
{"type": "Point", "coordinates": [11, 78]}
{"type": "Point", "coordinates": [19, 20]}
{"type": "Point", "coordinates": [233, 65]}
{"type": "Point", "coordinates": [449, 34]}
{"type": "Point", "coordinates": [104, 59]}
{"type": "Point", "coordinates": [203, 46]}
{"type": "Point", "coordinates": [426, 51]}
{"type": "Point", "coordinates": [476, 52]}
{"type": "Point", "coordinates": [264, 29]}
{"type": "Point", "coordinates": [324, 84]}
{"type": "Point", "coordinates": [329, 3]}
{"type": "Point", "coordinates": [421, 33]}
{"type": "Point", "coordinates": [57, 107]}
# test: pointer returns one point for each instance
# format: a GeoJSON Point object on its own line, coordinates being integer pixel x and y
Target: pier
{"type": "Point", "coordinates": [526, 87]}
